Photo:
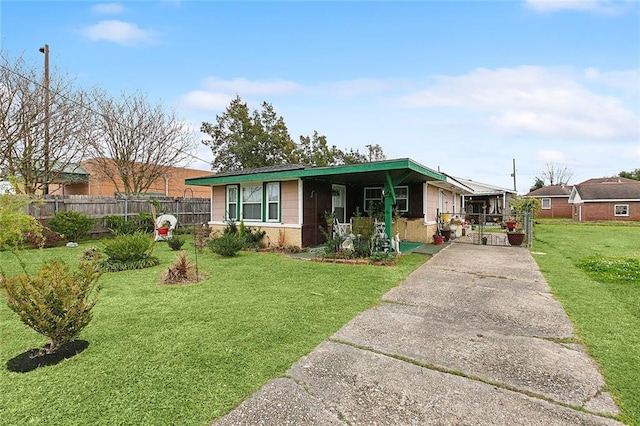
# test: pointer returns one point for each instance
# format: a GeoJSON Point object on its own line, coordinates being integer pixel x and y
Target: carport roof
{"type": "Point", "coordinates": [375, 172]}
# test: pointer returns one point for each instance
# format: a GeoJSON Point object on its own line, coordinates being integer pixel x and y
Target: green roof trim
{"type": "Point", "coordinates": [377, 166]}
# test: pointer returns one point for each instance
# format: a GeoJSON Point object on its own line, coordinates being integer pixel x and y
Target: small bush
{"type": "Point", "coordinates": [176, 242]}
{"type": "Point", "coordinates": [127, 252]}
{"type": "Point", "coordinates": [227, 245]}
{"type": "Point", "coordinates": [73, 225]}
{"type": "Point", "coordinates": [45, 239]}
{"type": "Point", "coordinates": [55, 302]}
{"type": "Point", "coordinates": [111, 265]}
{"type": "Point", "coordinates": [91, 254]}
{"type": "Point", "coordinates": [128, 247]}
{"type": "Point", "coordinates": [250, 237]}
{"type": "Point", "coordinates": [182, 271]}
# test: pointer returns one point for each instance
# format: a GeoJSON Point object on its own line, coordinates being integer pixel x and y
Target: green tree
{"type": "Point", "coordinates": [539, 183]}
{"type": "Point", "coordinates": [241, 139]}
{"type": "Point", "coordinates": [315, 151]}
{"type": "Point", "coordinates": [244, 140]}
{"type": "Point", "coordinates": [630, 175]}
{"type": "Point", "coordinates": [375, 153]}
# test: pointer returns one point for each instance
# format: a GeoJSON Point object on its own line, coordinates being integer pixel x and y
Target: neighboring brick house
{"type": "Point", "coordinates": [612, 198]}
{"type": "Point", "coordinates": [554, 200]}
{"type": "Point", "coordinates": [94, 182]}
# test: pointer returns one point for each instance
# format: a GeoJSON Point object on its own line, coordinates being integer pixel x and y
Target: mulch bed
{"type": "Point", "coordinates": [38, 357]}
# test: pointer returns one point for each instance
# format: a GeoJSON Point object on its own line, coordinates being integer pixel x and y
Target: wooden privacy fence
{"type": "Point", "coordinates": [189, 211]}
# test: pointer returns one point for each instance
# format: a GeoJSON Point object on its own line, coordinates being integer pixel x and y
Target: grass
{"type": "Point", "coordinates": [185, 354]}
{"type": "Point", "coordinates": [593, 271]}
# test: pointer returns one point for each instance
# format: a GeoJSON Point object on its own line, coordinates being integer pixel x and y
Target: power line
{"type": "Point", "coordinates": [88, 108]}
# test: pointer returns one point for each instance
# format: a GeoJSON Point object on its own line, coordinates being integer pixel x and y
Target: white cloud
{"type": "Point", "coordinates": [628, 80]}
{"type": "Point", "coordinates": [200, 99]}
{"type": "Point", "coordinates": [551, 156]}
{"type": "Point", "coordinates": [534, 101]}
{"type": "Point", "coordinates": [108, 8]}
{"type": "Point", "coordinates": [596, 6]}
{"type": "Point", "coordinates": [357, 87]}
{"type": "Point", "coordinates": [118, 32]}
{"type": "Point", "coordinates": [243, 86]}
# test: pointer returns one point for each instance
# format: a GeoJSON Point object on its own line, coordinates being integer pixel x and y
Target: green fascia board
{"type": "Point", "coordinates": [378, 166]}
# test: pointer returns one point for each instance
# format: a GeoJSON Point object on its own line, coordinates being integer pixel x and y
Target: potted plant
{"type": "Point", "coordinates": [446, 230]}
{"type": "Point", "coordinates": [516, 235]}
{"type": "Point", "coordinates": [438, 239]}
{"type": "Point", "coordinates": [163, 229]}
{"type": "Point", "coordinates": [329, 217]}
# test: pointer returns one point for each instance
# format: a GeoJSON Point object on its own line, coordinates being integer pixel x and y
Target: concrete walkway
{"type": "Point", "coordinates": [472, 337]}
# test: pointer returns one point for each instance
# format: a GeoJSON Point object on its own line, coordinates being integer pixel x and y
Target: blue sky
{"type": "Point", "coordinates": [461, 86]}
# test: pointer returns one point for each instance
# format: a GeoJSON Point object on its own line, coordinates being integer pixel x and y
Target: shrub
{"type": "Point", "coordinates": [180, 272]}
{"type": "Point", "coordinates": [176, 242]}
{"type": "Point", "coordinates": [128, 252]}
{"type": "Point", "coordinates": [91, 253]}
{"type": "Point", "coordinates": [142, 222]}
{"type": "Point", "coordinates": [128, 247]}
{"type": "Point", "coordinates": [73, 225]}
{"type": "Point", "coordinates": [55, 302]}
{"type": "Point", "coordinates": [14, 222]}
{"type": "Point", "coordinates": [250, 237]}
{"type": "Point", "coordinates": [227, 245]}
{"type": "Point", "coordinates": [46, 238]}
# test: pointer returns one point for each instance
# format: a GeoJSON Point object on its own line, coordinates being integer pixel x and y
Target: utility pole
{"type": "Point", "coordinates": [47, 166]}
{"type": "Point", "coordinates": [514, 175]}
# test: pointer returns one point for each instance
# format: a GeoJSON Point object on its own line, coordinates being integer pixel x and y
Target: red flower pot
{"type": "Point", "coordinates": [438, 239]}
{"type": "Point", "coordinates": [515, 238]}
{"type": "Point", "coordinates": [163, 231]}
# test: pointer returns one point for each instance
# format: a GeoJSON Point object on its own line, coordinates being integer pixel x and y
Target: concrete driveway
{"type": "Point", "coordinates": [472, 337]}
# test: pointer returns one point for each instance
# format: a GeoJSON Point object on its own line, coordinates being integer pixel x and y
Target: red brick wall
{"type": "Point", "coordinates": [173, 186]}
{"type": "Point", "coordinates": [560, 207]}
{"type": "Point", "coordinates": [604, 211]}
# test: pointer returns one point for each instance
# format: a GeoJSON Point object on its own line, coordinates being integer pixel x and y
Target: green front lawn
{"type": "Point", "coordinates": [185, 354]}
{"type": "Point", "coordinates": [594, 272]}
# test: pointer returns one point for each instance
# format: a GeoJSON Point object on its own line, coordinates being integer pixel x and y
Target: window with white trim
{"type": "Point", "coordinates": [232, 202]}
{"type": "Point", "coordinates": [374, 194]}
{"type": "Point", "coordinates": [371, 195]}
{"type": "Point", "coordinates": [251, 206]}
{"type": "Point", "coordinates": [402, 198]}
{"type": "Point", "coordinates": [621, 210]}
{"type": "Point", "coordinates": [273, 202]}
{"type": "Point", "coordinates": [546, 203]}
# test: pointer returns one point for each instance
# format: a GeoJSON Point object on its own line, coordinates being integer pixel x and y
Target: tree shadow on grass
{"type": "Point", "coordinates": [35, 358]}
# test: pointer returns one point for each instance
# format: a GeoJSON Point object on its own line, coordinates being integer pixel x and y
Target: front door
{"type": "Point", "coordinates": [339, 202]}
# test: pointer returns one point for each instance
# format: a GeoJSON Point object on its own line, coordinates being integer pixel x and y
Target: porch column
{"type": "Point", "coordinates": [389, 201]}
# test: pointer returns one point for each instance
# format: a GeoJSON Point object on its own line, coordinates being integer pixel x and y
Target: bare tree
{"type": "Point", "coordinates": [555, 174]}
{"type": "Point", "coordinates": [138, 141]}
{"type": "Point", "coordinates": [25, 154]}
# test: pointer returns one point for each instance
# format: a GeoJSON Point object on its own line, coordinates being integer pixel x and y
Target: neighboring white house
{"type": "Point", "coordinates": [6, 188]}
